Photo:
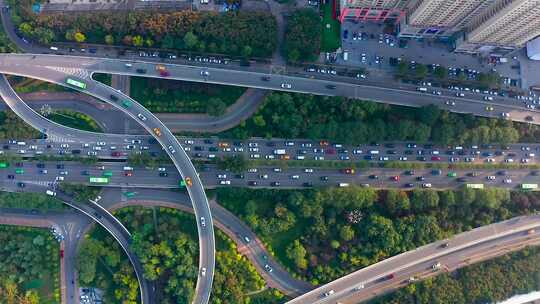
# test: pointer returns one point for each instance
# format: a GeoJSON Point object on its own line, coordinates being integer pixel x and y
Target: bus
{"type": "Point", "coordinates": [107, 173]}
{"type": "Point", "coordinates": [19, 171]}
{"type": "Point", "coordinates": [76, 83]}
{"type": "Point", "coordinates": [129, 194]}
{"type": "Point", "coordinates": [99, 180]}
{"type": "Point", "coordinates": [475, 186]}
{"type": "Point", "coordinates": [4, 165]}
{"type": "Point", "coordinates": [529, 186]}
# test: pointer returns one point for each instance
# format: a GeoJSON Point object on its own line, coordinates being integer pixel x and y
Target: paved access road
{"type": "Point", "coordinates": [401, 94]}
{"type": "Point", "coordinates": [56, 72]}
{"type": "Point", "coordinates": [465, 248]}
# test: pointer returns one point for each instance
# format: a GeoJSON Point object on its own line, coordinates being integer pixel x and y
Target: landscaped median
{"type": "Point", "coordinates": [76, 120]}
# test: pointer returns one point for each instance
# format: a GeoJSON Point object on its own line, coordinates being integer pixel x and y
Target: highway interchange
{"type": "Point", "coordinates": [515, 111]}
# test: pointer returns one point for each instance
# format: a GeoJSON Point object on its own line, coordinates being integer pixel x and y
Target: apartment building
{"type": "Point", "coordinates": [505, 25]}
{"type": "Point", "coordinates": [372, 10]}
{"type": "Point", "coordinates": [440, 18]}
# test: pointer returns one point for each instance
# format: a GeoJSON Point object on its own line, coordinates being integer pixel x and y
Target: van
{"type": "Point", "coordinates": [21, 143]}
{"type": "Point", "coordinates": [345, 55]}
{"type": "Point", "coordinates": [54, 48]}
{"type": "Point", "coordinates": [374, 152]}
{"type": "Point", "coordinates": [128, 168]}
{"type": "Point", "coordinates": [51, 193]}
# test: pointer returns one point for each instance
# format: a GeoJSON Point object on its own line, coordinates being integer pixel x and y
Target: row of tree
{"type": "Point", "coordinates": [488, 282]}
{"type": "Point", "coordinates": [350, 121]}
{"type": "Point", "coordinates": [330, 232]}
{"type": "Point", "coordinates": [235, 33]}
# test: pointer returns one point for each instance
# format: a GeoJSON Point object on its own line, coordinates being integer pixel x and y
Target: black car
{"type": "Point", "coordinates": [420, 178]}
{"type": "Point", "coordinates": [330, 86]}
{"type": "Point", "coordinates": [208, 141]}
{"type": "Point", "coordinates": [163, 174]}
{"type": "Point", "coordinates": [19, 164]}
{"type": "Point", "coordinates": [307, 184]}
{"type": "Point", "coordinates": [409, 152]}
{"type": "Point", "coordinates": [141, 71]}
{"type": "Point", "coordinates": [373, 176]}
{"type": "Point", "coordinates": [265, 78]}
{"type": "Point", "coordinates": [213, 149]}
{"type": "Point", "coordinates": [369, 157]}
{"type": "Point", "coordinates": [240, 176]}
{"type": "Point", "coordinates": [275, 184]}
{"type": "Point", "coordinates": [324, 178]}
{"type": "Point", "coordinates": [114, 98]}
{"type": "Point", "coordinates": [41, 165]}
{"type": "Point", "coordinates": [391, 152]}
{"type": "Point", "coordinates": [421, 158]}
{"type": "Point", "coordinates": [60, 166]}
{"type": "Point", "coordinates": [409, 172]}
{"type": "Point", "coordinates": [391, 146]}
{"type": "Point", "coordinates": [409, 185]}
{"type": "Point", "coordinates": [11, 176]}
{"type": "Point", "coordinates": [85, 172]}
{"type": "Point", "coordinates": [6, 147]}
{"type": "Point", "coordinates": [76, 151]}
{"type": "Point", "coordinates": [21, 185]}
{"type": "Point", "coordinates": [252, 183]}
{"type": "Point", "coordinates": [461, 179]}
{"type": "Point", "coordinates": [503, 173]}
{"type": "Point", "coordinates": [198, 148]}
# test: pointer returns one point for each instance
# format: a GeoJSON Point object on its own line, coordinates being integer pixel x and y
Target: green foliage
{"type": "Point", "coordinates": [75, 120]}
{"type": "Point", "coordinates": [29, 265]}
{"type": "Point", "coordinates": [182, 30]}
{"type": "Point", "coordinates": [235, 164]}
{"type": "Point", "coordinates": [39, 201]}
{"type": "Point", "coordinates": [302, 40]}
{"type": "Point", "coordinates": [11, 126]}
{"type": "Point", "coordinates": [331, 30]}
{"type": "Point", "coordinates": [82, 193]}
{"type": "Point", "coordinates": [487, 282]}
{"type": "Point", "coordinates": [173, 96]}
{"type": "Point", "coordinates": [332, 231]}
{"type": "Point", "coordinates": [168, 259]}
{"type": "Point", "coordinates": [350, 121]}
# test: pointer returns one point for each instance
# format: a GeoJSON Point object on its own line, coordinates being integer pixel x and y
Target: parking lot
{"type": "Point", "coordinates": [368, 46]}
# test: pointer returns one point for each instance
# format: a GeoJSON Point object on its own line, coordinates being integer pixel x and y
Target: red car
{"type": "Point", "coordinates": [128, 173]}
{"type": "Point", "coordinates": [390, 276]}
{"type": "Point", "coordinates": [116, 153]}
{"type": "Point", "coordinates": [348, 171]}
{"type": "Point", "coordinates": [323, 143]}
{"type": "Point", "coordinates": [435, 158]}
{"type": "Point", "coordinates": [164, 73]}
{"type": "Point", "coordinates": [61, 253]}
{"type": "Point", "coordinates": [395, 178]}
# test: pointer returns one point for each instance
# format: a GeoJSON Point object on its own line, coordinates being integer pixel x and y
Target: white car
{"type": "Point", "coordinates": [205, 73]}
{"type": "Point", "coordinates": [222, 176]}
{"type": "Point", "coordinates": [295, 176]}
{"type": "Point", "coordinates": [92, 153]}
{"type": "Point", "coordinates": [64, 146]}
{"type": "Point", "coordinates": [188, 142]}
{"type": "Point", "coordinates": [171, 149]}
{"type": "Point", "coordinates": [203, 271]}
{"type": "Point", "coordinates": [308, 170]}
{"type": "Point", "coordinates": [141, 117]}
{"type": "Point", "coordinates": [225, 182]}
{"type": "Point", "coordinates": [101, 143]}
{"type": "Point", "coordinates": [278, 170]}
{"type": "Point", "coordinates": [254, 156]}
{"type": "Point", "coordinates": [286, 86]}
{"type": "Point", "coordinates": [252, 170]}
{"type": "Point", "coordinates": [161, 169]}
{"type": "Point", "coordinates": [203, 221]}
{"type": "Point", "coordinates": [253, 144]}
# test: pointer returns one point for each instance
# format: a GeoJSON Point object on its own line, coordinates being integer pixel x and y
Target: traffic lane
{"type": "Point", "coordinates": [475, 253]}
{"type": "Point", "coordinates": [265, 176]}
{"type": "Point", "coordinates": [422, 254]}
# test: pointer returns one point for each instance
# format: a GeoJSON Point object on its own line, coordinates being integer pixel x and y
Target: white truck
{"type": "Point", "coordinates": [280, 152]}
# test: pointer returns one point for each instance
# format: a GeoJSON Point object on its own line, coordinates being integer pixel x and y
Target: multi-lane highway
{"type": "Point", "coordinates": [402, 94]}
{"type": "Point", "coordinates": [56, 73]}
{"type": "Point", "coordinates": [461, 250]}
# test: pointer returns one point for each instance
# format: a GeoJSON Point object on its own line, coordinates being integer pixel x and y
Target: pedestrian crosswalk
{"type": "Point", "coordinates": [77, 72]}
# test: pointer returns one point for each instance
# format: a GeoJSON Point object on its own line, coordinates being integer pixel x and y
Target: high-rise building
{"type": "Point", "coordinates": [440, 18]}
{"type": "Point", "coordinates": [372, 10]}
{"type": "Point", "coordinates": [507, 24]}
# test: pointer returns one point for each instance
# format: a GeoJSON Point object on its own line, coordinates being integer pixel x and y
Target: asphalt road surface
{"type": "Point", "coordinates": [461, 250]}
{"type": "Point", "coordinates": [57, 73]}
{"type": "Point", "coordinates": [402, 94]}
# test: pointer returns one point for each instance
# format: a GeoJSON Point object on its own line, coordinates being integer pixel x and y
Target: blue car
{"type": "Point", "coordinates": [345, 34]}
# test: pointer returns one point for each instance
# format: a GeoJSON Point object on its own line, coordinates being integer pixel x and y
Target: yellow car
{"type": "Point", "coordinates": [157, 131]}
{"type": "Point", "coordinates": [189, 183]}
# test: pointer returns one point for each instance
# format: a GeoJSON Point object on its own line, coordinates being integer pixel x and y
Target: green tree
{"type": "Point", "coordinates": [26, 29]}
{"type": "Point", "coordinates": [215, 107]}
{"type": "Point", "coordinates": [429, 114]}
{"type": "Point", "coordinates": [247, 51]}
{"type": "Point", "coordinates": [403, 68]}
{"type": "Point", "coordinates": [440, 72]}
{"type": "Point", "coordinates": [109, 39]}
{"type": "Point", "coordinates": [421, 71]}
{"type": "Point", "coordinates": [190, 40]}
{"type": "Point", "coordinates": [79, 37]}
{"type": "Point", "coordinates": [137, 40]}
{"type": "Point", "coordinates": [297, 253]}
{"type": "Point", "coordinates": [346, 233]}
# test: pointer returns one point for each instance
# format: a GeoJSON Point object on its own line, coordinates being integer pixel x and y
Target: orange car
{"type": "Point", "coordinates": [223, 144]}
{"type": "Point", "coordinates": [157, 131]}
{"type": "Point", "coordinates": [189, 183]}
